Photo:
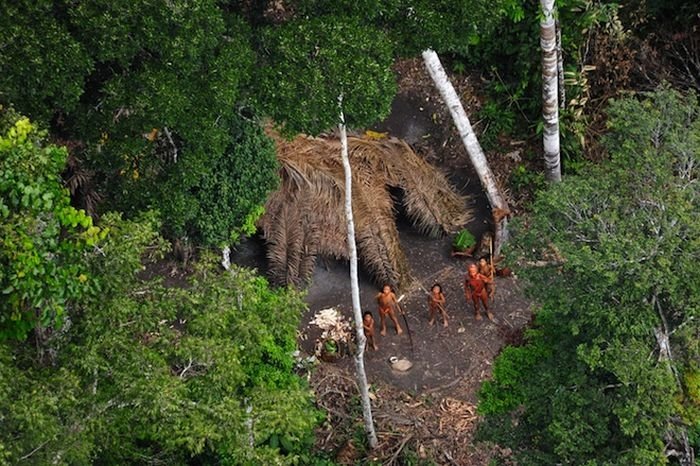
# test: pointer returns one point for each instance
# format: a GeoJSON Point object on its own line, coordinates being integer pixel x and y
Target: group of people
{"type": "Point", "coordinates": [479, 289]}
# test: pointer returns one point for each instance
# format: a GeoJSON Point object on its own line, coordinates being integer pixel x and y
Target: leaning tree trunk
{"type": "Point", "coordinates": [471, 143]}
{"type": "Point", "coordinates": [354, 286]}
{"type": "Point", "coordinates": [550, 107]}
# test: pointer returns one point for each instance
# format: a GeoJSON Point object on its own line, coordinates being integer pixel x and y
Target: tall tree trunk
{"type": "Point", "coordinates": [676, 438]}
{"type": "Point", "coordinates": [550, 107]}
{"type": "Point", "coordinates": [560, 68]}
{"type": "Point", "coordinates": [354, 286]}
{"type": "Point", "coordinates": [248, 423]}
{"type": "Point", "coordinates": [471, 143]}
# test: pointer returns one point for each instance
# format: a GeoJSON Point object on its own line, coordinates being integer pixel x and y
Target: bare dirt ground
{"type": "Point", "coordinates": [427, 413]}
{"type": "Point", "coordinates": [429, 410]}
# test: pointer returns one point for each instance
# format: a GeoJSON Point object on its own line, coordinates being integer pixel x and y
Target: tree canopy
{"type": "Point", "coordinates": [150, 94]}
{"type": "Point", "coordinates": [308, 64]}
{"type": "Point", "coordinates": [142, 371]}
{"type": "Point", "coordinates": [101, 364]}
{"type": "Point", "coordinates": [42, 237]}
{"type": "Point", "coordinates": [608, 374]}
{"type": "Point", "coordinates": [450, 26]}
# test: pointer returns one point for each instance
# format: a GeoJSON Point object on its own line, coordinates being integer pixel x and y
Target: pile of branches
{"type": "Point", "coordinates": [429, 426]}
{"type": "Point", "coordinates": [305, 217]}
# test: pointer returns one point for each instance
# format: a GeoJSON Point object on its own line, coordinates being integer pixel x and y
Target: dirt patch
{"type": "Point", "coordinates": [463, 349]}
{"type": "Point", "coordinates": [430, 409]}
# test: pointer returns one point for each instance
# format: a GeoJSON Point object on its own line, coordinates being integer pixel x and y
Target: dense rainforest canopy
{"type": "Point", "coordinates": [609, 372]}
{"type": "Point", "coordinates": [129, 129]}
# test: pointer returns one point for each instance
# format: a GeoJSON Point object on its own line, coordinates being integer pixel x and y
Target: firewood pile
{"type": "Point", "coordinates": [336, 328]}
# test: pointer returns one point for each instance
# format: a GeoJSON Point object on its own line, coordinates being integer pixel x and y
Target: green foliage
{"type": "Point", "coordinates": [506, 391]}
{"type": "Point", "coordinates": [413, 26]}
{"type": "Point", "coordinates": [150, 94]}
{"type": "Point", "coordinates": [307, 64]}
{"type": "Point", "coordinates": [214, 198]}
{"type": "Point", "coordinates": [591, 385]}
{"type": "Point", "coordinates": [147, 373]}
{"type": "Point", "coordinates": [524, 180]}
{"type": "Point", "coordinates": [39, 408]}
{"type": "Point", "coordinates": [330, 346]}
{"type": "Point", "coordinates": [499, 122]}
{"type": "Point", "coordinates": [511, 52]}
{"type": "Point", "coordinates": [42, 238]}
{"type": "Point", "coordinates": [463, 240]}
{"type": "Point", "coordinates": [181, 147]}
{"type": "Point", "coordinates": [44, 67]}
{"type": "Point", "coordinates": [449, 26]}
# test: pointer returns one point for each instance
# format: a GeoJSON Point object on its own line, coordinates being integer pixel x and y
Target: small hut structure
{"type": "Point", "coordinates": [305, 217]}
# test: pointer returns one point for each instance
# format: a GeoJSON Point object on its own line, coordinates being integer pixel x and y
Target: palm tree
{"type": "Point", "coordinates": [550, 107]}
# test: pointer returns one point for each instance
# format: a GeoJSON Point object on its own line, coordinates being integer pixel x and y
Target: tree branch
{"type": "Point", "coordinates": [33, 451]}
{"type": "Point", "coordinates": [172, 143]}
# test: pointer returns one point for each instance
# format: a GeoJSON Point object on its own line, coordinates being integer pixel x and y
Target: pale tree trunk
{"type": "Point", "coordinates": [471, 143]}
{"type": "Point", "coordinates": [550, 107]}
{"type": "Point", "coordinates": [560, 68]}
{"type": "Point", "coordinates": [677, 434]}
{"type": "Point", "coordinates": [226, 264]}
{"type": "Point", "coordinates": [355, 287]}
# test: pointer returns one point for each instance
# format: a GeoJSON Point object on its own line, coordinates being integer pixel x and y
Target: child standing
{"type": "Point", "coordinates": [387, 302]}
{"type": "Point", "coordinates": [368, 325]}
{"type": "Point", "coordinates": [436, 304]}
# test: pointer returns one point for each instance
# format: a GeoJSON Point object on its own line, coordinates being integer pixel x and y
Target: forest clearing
{"type": "Point", "coordinates": [431, 408]}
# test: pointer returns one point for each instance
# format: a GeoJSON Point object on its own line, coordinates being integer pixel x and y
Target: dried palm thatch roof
{"type": "Point", "coordinates": [305, 217]}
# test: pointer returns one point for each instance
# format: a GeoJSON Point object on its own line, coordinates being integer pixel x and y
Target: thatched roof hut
{"type": "Point", "coordinates": [305, 218]}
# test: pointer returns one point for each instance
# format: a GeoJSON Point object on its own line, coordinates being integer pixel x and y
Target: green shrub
{"type": "Point", "coordinates": [149, 374]}
{"type": "Point", "coordinates": [214, 198]}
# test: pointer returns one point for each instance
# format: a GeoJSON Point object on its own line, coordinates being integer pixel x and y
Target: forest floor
{"type": "Point", "coordinates": [428, 411]}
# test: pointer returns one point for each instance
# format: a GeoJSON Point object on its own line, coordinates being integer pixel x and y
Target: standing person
{"type": "Point", "coordinates": [368, 325]}
{"type": "Point", "coordinates": [436, 304]}
{"type": "Point", "coordinates": [387, 303]}
{"type": "Point", "coordinates": [488, 271]}
{"type": "Point", "coordinates": [475, 291]}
